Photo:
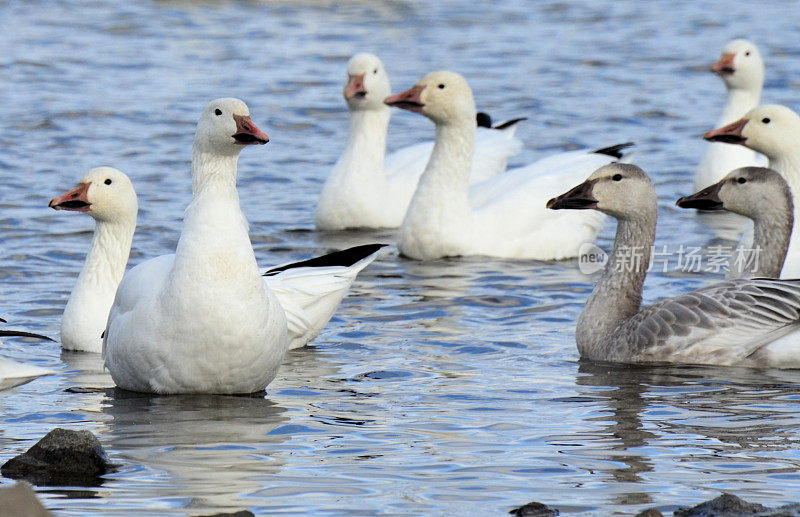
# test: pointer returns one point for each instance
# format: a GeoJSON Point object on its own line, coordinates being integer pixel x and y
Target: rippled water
{"type": "Point", "coordinates": [438, 388]}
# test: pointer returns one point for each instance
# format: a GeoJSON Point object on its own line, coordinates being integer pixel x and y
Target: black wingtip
{"type": "Point", "coordinates": [344, 258]}
{"type": "Point", "coordinates": [3, 321]}
{"type": "Point", "coordinates": [508, 123]}
{"type": "Point", "coordinates": [484, 120]}
{"type": "Point", "coordinates": [19, 333]}
{"type": "Point", "coordinates": [614, 151]}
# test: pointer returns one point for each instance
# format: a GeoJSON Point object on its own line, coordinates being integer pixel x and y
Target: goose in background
{"type": "Point", "coordinates": [13, 373]}
{"type": "Point", "coordinates": [309, 291]}
{"type": "Point", "coordinates": [107, 195]}
{"type": "Point", "coordinates": [369, 189]}
{"type": "Point", "coordinates": [745, 322]}
{"type": "Point", "coordinates": [762, 195]}
{"type": "Point", "coordinates": [742, 70]}
{"type": "Point", "coordinates": [204, 320]}
{"type": "Point", "coordinates": [774, 131]}
{"type": "Point", "coordinates": [503, 216]}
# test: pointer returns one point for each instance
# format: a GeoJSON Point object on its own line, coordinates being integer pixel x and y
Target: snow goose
{"type": "Point", "coordinates": [108, 196]}
{"type": "Point", "coordinates": [763, 196]}
{"type": "Point", "coordinates": [309, 291]}
{"type": "Point", "coordinates": [13, 373]}
{"type": "Point", "coordinates": [503, 216]}
{"type": "Point", "coordinates": [745, 322]}
{"type": "Point", "coordinates": [202, 320]}
{"type": "Point", "coordinates": [742, 70]}
{"type": "Point", "coordinates": [366, 189]}
{"type": "Point", "coordinates": [775, 132]}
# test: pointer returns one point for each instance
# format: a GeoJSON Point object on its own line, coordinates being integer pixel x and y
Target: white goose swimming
{"type": "Point", "coordinates": [746, 322]}
{"type": "Point", "coordinates": [503, 216]}
{"type": "Point", "coordinates": [369, 190]}
{"type": "Point", "coordinates": [203, 320]}
{"type": "Point", "coordinates": [309, 291]}
{"type": "Point", "coordinates": [774, 131]}
{"type": "Point", "coordinates": [108, 196]}
{"type": "Point", "coordinates": [13, 373]}
{"type": "Point", "coordinates": [763, 196]}
{"type": "Point", "coordinates": [742, 69]}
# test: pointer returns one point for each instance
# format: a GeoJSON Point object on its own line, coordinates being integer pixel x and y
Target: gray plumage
{"type": "Point", "coordinates": [762, 195]}
{"type": "Point", "coordinates": [740, 322]}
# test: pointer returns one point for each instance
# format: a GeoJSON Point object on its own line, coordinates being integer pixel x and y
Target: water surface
{"type": "Point", "coordinates": [439, 388]}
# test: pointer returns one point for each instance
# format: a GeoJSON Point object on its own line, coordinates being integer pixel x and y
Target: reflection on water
{"type": "Point", "coordinates": [447, 387]}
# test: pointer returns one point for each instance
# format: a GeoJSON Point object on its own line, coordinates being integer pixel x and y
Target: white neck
{"type": "Point", "coordinates": [738, 103]}
{"type": "Point", "coordinates": [87, 310]}
{"type": "Point", "coordinates": [362, 160]}
{"type": "Point", "coordinates": [440, 208]}
{"type": "Point", "coordinates": [215, 232]}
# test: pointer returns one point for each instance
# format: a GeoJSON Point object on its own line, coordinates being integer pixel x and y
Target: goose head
{"type": "Point", "coordinates": [444, 97]}
{"type": "Point", "coordinates": [225, 128]}
{"type": "Point", "coordinates": [748, 191]}
{"type": "Point", "coordinates": [104, 193]}
{"type": "Point", "coordinates": [367, 83]}
{"type": "Point", "coordinates": [621, 190]}
{"type": "Point", "coordinates": [740, 65]}
{"type": "Point", "coordinates": [771, 129]}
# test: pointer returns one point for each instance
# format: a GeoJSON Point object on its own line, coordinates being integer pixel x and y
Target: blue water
{"type": "Point", "coordinates": [439, 388]}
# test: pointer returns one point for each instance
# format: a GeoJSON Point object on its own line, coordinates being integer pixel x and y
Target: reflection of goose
{"type": "Point", "coordinates": [726, 420]}
{"type": "Point", "coordinates": [216, 449]}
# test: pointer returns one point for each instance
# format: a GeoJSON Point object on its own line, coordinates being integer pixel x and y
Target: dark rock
{"type": "Point", "coordinates": [534, 509]}
{"type": "Point", "coordinates": [20, 500]}
{"type": "Point", "coordinates": [61, 457]}
{"type": "Point", "coordinates": [728, 505]}
{"type": "Point", "coordinates": [650, 512]}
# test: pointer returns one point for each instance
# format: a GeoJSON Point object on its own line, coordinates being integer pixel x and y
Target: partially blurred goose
{"type": "Point", "coordinates": [741, 68]}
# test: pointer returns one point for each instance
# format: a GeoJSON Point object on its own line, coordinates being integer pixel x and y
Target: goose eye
{"type": "Point", "coordinates": [765, 120]}
{"type": "Point", "coordinates": [747, 53]}
{"type": "Point", "coordinates": [742, 180]}
{"type": "Point", "coordinates": [218, 112]}
{"type": "Point", "coordinates": [375, 71]}
{"type": "Point", "coordinates": [441, 87]}
{"type": "Point", "coordinates": [107, 181]}
{"type": "Point", "coordinates": [617, 177]}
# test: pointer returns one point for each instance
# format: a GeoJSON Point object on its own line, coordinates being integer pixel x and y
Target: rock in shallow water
{"type": "Point", "coordinates": [61, 457]}
{"type": "Point", "coordinates": [20, 500]}
{"type": "Point", "coordinates": [728, 505]}
{"type": "Point", "coordinates": [534, 509]}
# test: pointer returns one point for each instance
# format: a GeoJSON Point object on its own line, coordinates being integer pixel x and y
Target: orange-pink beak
{"type": "Point", "coordinates": [354, 89]}
{"type": "Point", "coordinates": [248, 133]}
{"type": "Point", "coordinates": [724, 66]}
{"type": "Point", "coordinates": [410, 99]}
{"type": "Point", "coordinates": [730, 134]}
{"type": "Point", "coordinates": [75, 200]}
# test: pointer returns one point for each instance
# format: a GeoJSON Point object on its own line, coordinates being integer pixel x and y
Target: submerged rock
{"type": "Point", "coordinates": [650, 512]}
{"type": "Point", "coordinates": [534, 509]}
{"type": "Point", "coordinates": [728, 505]}
{"type": "Point", "coordinates": [61, 457]}
{"type": "Point", "coordinates": [19, 500]}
